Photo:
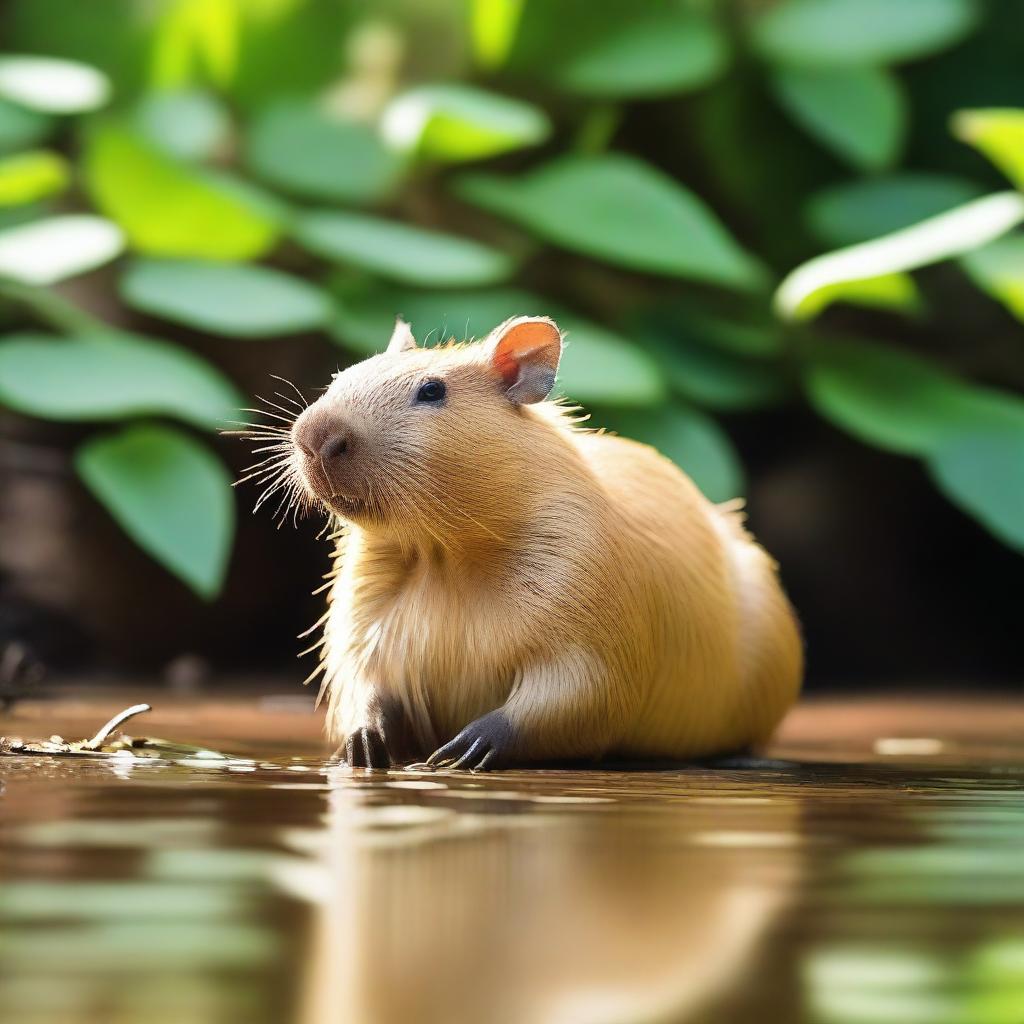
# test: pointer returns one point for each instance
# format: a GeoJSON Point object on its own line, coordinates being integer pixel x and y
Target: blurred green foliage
{"type": "Point", "coordinates": [170, 494]}
{"type": "Point", "coordinates": [720, 200]}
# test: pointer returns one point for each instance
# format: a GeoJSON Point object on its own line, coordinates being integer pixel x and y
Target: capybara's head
{"type": "Point", "coordinates": [427, 439]}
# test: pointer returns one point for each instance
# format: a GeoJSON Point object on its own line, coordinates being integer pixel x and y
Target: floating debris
{"type": "Point", "coordinates": [119, 719]}
{"type": "Point", "coordinates": [101, 744]}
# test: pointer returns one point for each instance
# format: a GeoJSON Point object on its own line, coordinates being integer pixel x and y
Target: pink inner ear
{"type": "Point", "coordinates": [518, 344]}
{"type": "Point", "coordinates": [507, 365]}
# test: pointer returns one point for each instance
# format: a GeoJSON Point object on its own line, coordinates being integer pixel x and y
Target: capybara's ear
{"type": "Point", "coordinates": [401, 337]}
{"type": "Point", "coordinates": [524, 352]}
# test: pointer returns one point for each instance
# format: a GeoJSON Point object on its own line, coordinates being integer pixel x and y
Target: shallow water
{"type": "Point", "coordinates": [880, 880]}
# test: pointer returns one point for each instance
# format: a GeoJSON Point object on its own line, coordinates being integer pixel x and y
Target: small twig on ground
{"type": "Point", "coordinates": [119, 719]}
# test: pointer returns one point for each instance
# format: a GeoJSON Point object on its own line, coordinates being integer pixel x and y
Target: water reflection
{"type": "Point", "coordinates": [525, 903]}
{"type": "Point", "coordinates": [278, 889]}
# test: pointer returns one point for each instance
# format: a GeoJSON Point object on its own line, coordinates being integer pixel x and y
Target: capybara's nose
{"type": "Point", "coordinates": [335, 446]}
{"type": "Point", "coordinates": [321, 435]}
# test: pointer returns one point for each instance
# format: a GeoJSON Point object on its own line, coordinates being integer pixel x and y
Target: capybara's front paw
{"type": "Point", "coordinates": [483, 745]}
{"type": "Point", "coordinates": [365, 748]}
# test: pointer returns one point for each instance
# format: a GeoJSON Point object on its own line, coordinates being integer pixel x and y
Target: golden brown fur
{"type": "Point", "coordinates": [497, 558]}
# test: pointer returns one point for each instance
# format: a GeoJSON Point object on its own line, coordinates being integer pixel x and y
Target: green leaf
{"type": "Point", "coordinates": [44, 252]}
{"type": "Point", "coordinates": [493, 25]}
{"type": "Point", "coordinates": [949, 234]}
{"type": "Point", "coordinates": [598, 364]}
{"type": "Point", "coordinates": [901, 402]}
{"type": "Point", "coordinates": [299, 148]}
{"type": "Point", "coordinates": [674, 320]}
{"type": "Point", "coordinates": [883, 396]}
{"type": "Point", "coordinates": [602, 368]}
{"type": "Point", "coordinates": [857, 211]}
{"type": "Point", "coordinates": [656, 52]}
{"type": "Point", "coordinates": [401, 252]}
{"type": "Point", "coordinates": [452, 123]}
{"type": "Point", "coordinates": [170, 494]}
{"type": "Point", "coordinates": [15, 216]}
{"type": "Point", "coordinates": [20, 127]}
{"type": "Point", "coordinates": [999, 134]}
{"type": "Point", "coordinates": [983, 474]}
{"type": "Point", "coordinates": [719, 381]}
{"type": "Point", "coordinates": [190, 35]}
{"type": "Point", "coordinates": [112, 377]}
{"type": "Point", "coordinates": [224, 298]}
{"type": "Point", "coordinates": [693, 441]}
{"type": "Point", "coordinates": [895, 292]}
{"type": "Point", "coordinates": [845, 32]}
{"type": "Point", "coordinates": [858, 113]}
{"type": "Point", "coordinates": [171, 208]}
{"type": "Point", "coordinates": [745, 339]}
{"type": "Point", "coordinates": [618, 209]}
{"type": "Point", "coordinates": [713, 377]}
{"type": "Point", "coordinates": [998, 268]}
{"type": "Point", "coordinates": [51, 85]}
{"type": "Point", "coordinates": [28, 177]}
{"type": "Point", "coordinates": [188, 124]}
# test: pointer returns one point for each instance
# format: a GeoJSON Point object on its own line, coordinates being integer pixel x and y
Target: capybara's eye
{"type": "Point", "coordinates": [431, 391]}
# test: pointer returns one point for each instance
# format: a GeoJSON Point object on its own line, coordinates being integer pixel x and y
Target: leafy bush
{"type": "Point", "coordinates": [660, 178]}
